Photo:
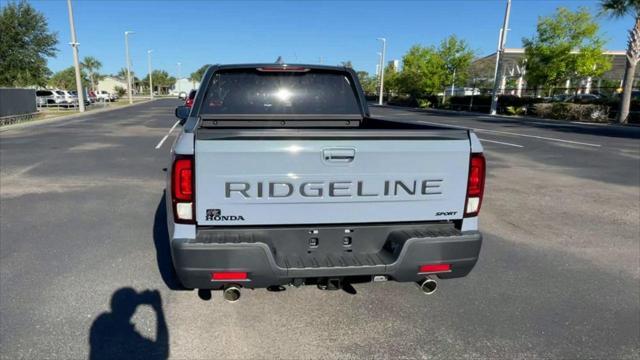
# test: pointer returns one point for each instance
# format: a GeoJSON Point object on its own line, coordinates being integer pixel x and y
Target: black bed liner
{"type": "Point", "coordinates": [370, 129]}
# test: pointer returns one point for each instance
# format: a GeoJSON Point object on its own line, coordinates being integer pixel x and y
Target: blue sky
{"type": "Point", "coordinates": [199, 32]}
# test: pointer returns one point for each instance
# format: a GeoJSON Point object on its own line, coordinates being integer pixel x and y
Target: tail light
{"type": "Point", "coordinates": [189, 103]}
{"type": "Point", "coordinates": [475, 185]}
{"type": "Point", "coordinates": [182, 189]}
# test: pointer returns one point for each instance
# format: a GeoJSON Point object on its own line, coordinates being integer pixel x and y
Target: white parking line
{"type": "Point", "coordinates": [538, 137]}
{"type": "Point", "coordinates": [501, 143]}
{"type": "Point", "coordinates": [166, 136]}
{"type": "Point", "coordinates": [515, 134]}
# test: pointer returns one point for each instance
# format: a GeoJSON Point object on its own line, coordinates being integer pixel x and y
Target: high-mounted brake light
{"type": "Point", "coordinates": [182, 189]}
{"type": "Point", "coordinates": [475, 185]}
{"type": "Point", "coordinates": [283, 68]}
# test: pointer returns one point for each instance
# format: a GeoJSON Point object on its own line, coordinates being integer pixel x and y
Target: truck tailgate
{"type": "Point", "coordinates": [304, 180]}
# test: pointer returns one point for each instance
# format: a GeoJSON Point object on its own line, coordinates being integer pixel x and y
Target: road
{"type": "Point", "coordinates": [82, 220]}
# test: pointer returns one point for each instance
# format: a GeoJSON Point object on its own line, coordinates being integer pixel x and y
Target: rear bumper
{"type": "Point", "coordinates": [282, 255]}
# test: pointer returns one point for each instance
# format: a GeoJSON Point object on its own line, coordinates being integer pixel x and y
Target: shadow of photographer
{"type": "Point", "coordinates": [113, 335]}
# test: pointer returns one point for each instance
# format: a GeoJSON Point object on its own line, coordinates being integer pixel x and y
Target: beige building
{"type": "Point", "coordinates": [109, 84]}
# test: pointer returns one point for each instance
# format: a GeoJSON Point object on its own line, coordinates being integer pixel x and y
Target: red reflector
{"type": "Point", "coordinates": [435, 268]}
{"type": "Point", "coordinates": [182, 179]}
{"type": "Point", "coordinates": [229, 276]}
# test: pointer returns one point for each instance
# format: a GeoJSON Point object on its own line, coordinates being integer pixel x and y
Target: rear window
{"type": "Point", "coordinates": [253, 92]}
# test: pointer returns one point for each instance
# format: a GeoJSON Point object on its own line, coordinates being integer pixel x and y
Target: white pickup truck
{"type": "Point", "coordinates": [280, 176]}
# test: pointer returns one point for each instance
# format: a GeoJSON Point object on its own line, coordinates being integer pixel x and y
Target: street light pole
{"type": "Point", "coordinates": [384, 50]}
{"type": "Point", "coordinates": [76, 62]}
{"type": "Point", "coordinates": [150, 74]}
{"type": "Point", "coordinates": [126, 45]}
{"type": "Point", "coordinates": [453, 83]}
{"type": "Point", "coordinates": [499, 56]}
{"type": "Point", "coordinates": [179, 74]}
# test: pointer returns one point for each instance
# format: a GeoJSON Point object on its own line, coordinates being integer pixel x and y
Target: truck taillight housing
{"type": "Point", "coordinates": [475, 185]}
{"type": "Point", "coordinates": [182, 189]}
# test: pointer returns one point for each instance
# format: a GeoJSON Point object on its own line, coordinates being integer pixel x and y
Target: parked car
{"type": "Point", "coordinates": [104, 95]}
{"type": "Point", "coordinates": [281, 176]}
{"type": "Point", "coordinates": [69, 98]}
{"type": "Point", "coordinates": [559, 97]}
{"type": "Point", "coordinates": [189, 101]}
{"type": "Point", "coordinates": [92, 96]}
{"type": "Point", "coordinates": [48, 97]}
{"type": "Point", "coordinates": [86, 97]}
{"type": "Point", "coordinates": [582, 98]}
{"type": "Point", "coordinates": [89, 95]}
{"type": "Point", "coordinates": [182, 95]}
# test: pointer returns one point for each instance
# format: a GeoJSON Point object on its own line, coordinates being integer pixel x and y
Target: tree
{"type": "Point", "coordinates": [619, 9]}
{"type": "Point", "coordinates": [92, 65]}
{"type": "Point", "coordinates": [120, 90]}
{"type": "Point", "coordinates": [369, 83]}
{"type": "Point", "coordinates": [481, 75]}
{"type": "Point", "coordinates": [66, 79]}
{"type": "Point", "coordinates": [197, 75]}
{"type": "Point", "coordinates": [457, 57]}
{"type": "Point", "coordinates": [122, 73]}
{"type": "Point", "coordinates": [590, 62]}
{"type": "Point", "coordinates": [391, 80]}
{"type": "Point", "coordinates": [423, 71]}
{"type": "Point", "coordinates": [161, 80]}
{"type": "Point", "coordinates": [25, 43]}
{"type": "Point", "coordinates": [346, 64]}
{"type": "Point", "coordinates": [566, 46]}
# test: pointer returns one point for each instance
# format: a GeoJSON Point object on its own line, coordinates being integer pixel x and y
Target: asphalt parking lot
{"type": "Point", "coordinates": [82, 236]}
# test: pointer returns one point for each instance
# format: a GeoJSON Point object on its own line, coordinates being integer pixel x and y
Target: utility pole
{"type": "Point", "coordinates": [126, 45]}
{"type": "Point", "coordinates": [499, 56]}
{"type": "Point", "coordinates": [384, 50]}
{"type": "Point", "coordinates": [150, 74]}
{"type": "Point", "coordinates": [76, 62]}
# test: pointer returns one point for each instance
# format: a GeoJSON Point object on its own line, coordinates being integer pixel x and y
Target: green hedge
{"type": "Point", "coordinates": [482, 103]}
{"type": "Point", "coordinates": [513, 105]}
{"type": "Point", "coordinates": [425, 101]}
{"type": "Point", "coordinates": [573, 112]}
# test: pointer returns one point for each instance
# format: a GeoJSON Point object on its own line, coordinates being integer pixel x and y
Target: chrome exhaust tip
{"type": "Point", "coordinates": [231, 293]}
{"type": "Point", "coordinates": [429, 286]}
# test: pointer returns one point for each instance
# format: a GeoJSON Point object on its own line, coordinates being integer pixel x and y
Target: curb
{"type": "Point", "coordinates": [67, 117]}
{"type": "Point", "coordinates": [514, 118]}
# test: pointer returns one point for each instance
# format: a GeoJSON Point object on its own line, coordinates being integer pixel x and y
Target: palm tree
{"type": "Point", "coordinates": [122, 73]}
{"type": "Point", "coordinates": [92, 65]}
{"type": "Point", "coordinates": [618, 9]}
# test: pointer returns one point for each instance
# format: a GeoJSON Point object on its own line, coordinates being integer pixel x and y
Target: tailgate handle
{"type": "Point", "coordinates": [339, 155]}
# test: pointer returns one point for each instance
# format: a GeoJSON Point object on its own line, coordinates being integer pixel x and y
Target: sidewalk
{"type": "Point", "coordinates": [37, 121]}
